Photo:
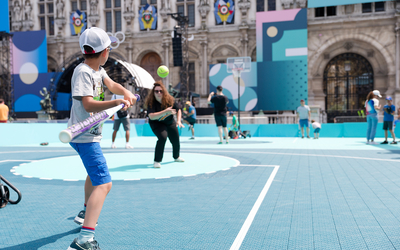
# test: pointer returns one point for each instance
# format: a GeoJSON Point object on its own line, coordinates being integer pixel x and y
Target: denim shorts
{"type": "Point", "coordinates": [94, 162]}
{"type": "Point", "coordinates": [317, 130]}
{"type": "Point", "coordinates": [303, 123]}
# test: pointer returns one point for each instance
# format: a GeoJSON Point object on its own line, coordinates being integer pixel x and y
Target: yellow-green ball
{"type": "Point", "coordinates": [162, 71]}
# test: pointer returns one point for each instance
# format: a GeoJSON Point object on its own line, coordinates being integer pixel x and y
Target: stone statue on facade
{"type": "Point", "coordinates": [17, 11]}
{"type": "Point", "coordinates": [46, 102]}
{"type": "Point", "coordinates": [129, 6]}
{"type": "Point", "coordinates": [60, 9]}
{"type": "Point", "coordinates": [286, 3]}
{"type": "Point", "coordinates": [27, 10]}
{"type": "Point", "coordinates": [93, 7]}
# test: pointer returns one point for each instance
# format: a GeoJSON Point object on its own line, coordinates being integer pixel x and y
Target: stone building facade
{"type": "Point", "coordinates": [363, 31]}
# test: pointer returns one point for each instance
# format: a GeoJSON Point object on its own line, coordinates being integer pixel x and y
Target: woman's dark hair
{"type": "Point", "coordinates": [167, 99]}
{"type": "Point", "coordinates": [90, 53]}
{"type": "Point", "coordinates": [370, 95]}
{"type": "Point", "coordinates": [219, 88]}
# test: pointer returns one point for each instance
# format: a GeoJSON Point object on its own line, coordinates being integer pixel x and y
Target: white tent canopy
{"type": "Point", "coordinates": [143, 78]}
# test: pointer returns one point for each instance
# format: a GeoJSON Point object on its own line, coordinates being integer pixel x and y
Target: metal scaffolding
{"type": "Point", "coordinates": [6, 71]}
{"type": "Point", "coordinates": [182, 28]}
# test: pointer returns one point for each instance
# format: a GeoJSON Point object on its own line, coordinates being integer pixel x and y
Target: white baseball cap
{"type": "Point", "coordinates": [95, 38]}
{"type": "Point", "coordinates": [376, 92]}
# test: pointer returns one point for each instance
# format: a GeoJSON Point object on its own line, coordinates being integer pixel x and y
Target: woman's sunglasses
{"type": "Point", "coordinates": [158, 91]}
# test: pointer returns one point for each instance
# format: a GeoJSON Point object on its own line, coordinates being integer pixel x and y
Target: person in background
{"type": "Point", "coordinates": [220, 101]}
{"type": "Point", "coordinates": [388, 117]}
{"type": "Point", "coordinates": [317, 127]}
{"type": "Point", "coordinates": [304, 116]}
{"type": "Point", "coordinates": [190, 116]}
{"type": "Point", "coordinates": [372, 108]}
{"type": "Point", "coordinates": [121, 117]}
{"type": "Point", "coordinates": [3, 111]}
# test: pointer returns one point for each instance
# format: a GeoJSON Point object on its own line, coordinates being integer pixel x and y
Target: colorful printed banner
{"type": "Point", "coordinates": [77, 22]}
{"type": "Point", "coordinates": [224, 11]}
{"type": "Point", "coordinates": [148, 17]}
{"type": "Point", "coordinates": [323, 3]}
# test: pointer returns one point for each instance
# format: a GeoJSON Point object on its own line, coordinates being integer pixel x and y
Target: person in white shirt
{"type": "Point", "coordinates": [317, 127]}
{"type": "Point", "coordinates": [304, 116]}
{"type": "Point", "coordinates": [121, 117]}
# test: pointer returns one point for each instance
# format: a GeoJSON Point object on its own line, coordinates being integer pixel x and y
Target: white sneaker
{"type": "Point", "coordinates": [156, 165]}
{"type": "Point", "coordinates": [374, 143]}
{"type": "Point", "coordinates": [128, 145]}
{"type": "Point", "coordinates": [179, 159]}
{"type": "Point", "coordinates": [113, 146]}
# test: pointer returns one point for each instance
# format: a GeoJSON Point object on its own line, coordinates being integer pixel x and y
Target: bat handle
{"type": "Point", "coordinates": [137, 97]}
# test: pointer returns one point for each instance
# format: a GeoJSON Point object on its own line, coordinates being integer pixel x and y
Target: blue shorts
{"type": "Point", "coordinates": [94, 162]}
{"type": "Point", "coordinates": [317, 130]}
{"type": "Point", "coordinates": [303, 123]}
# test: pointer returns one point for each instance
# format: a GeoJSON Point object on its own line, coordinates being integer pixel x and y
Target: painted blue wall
{"type": "Point", "coordinates": [12, 134]}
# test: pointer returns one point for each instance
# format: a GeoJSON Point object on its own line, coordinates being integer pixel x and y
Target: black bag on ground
{"type": "Point", "coordinates": [122, 114]}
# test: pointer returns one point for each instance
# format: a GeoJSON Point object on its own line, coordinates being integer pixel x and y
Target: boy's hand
{"type": "Point", "coordinates": [125, 102]}
{"type": "Point", "coordinates": [130, 97]}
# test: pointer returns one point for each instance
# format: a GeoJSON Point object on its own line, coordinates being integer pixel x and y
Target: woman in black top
{"type": "Point", "coordinates": [161, 108]}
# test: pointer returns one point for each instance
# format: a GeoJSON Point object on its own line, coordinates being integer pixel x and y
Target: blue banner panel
{"type": "Point", "coordinates": [4, 16]}
{"type": "Point", "coordinates": [281, 85]}
{"type": "Point", "coordinates": [323, 3]}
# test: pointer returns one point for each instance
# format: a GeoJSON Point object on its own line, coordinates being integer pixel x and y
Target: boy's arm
{"type": "Point", "coordinates": [118, 89]}
{"type": "Point", "coordinates": [91, 105]}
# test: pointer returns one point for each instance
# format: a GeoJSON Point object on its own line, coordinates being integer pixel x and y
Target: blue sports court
{"type": "Point", "coordinates": [254, 193]}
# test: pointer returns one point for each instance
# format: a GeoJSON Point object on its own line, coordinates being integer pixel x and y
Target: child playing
{"type": "Point", "coordinates": [87, 92]}
{"type": "Point", "coordinates": [317, 127]}
{"type": "Point", "coordinates": [388, 118]}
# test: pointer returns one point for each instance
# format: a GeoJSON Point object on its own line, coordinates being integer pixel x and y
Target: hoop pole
{"type": "Point", "coordinates": [239, 101]}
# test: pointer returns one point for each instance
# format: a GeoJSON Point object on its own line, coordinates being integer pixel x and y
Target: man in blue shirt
{"type": "Point", "coordinates": [189, 113]}
{"type": "Point", "coordinates": [388, 118]}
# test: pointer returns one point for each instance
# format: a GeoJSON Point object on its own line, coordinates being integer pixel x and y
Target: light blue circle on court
{"type": "Point", "coordinates": [127, 166]}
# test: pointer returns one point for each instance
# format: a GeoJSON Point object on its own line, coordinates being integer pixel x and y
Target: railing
{"type": "Point", "coordinates": [342, 119]}
{"type": "Point", "coordinates": [259, 119]}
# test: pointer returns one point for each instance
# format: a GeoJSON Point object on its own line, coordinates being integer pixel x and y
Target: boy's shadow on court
{"type": "Point", "coordinates": [36, 244]}
{"type": "Point", "coordinates": [135, 167]}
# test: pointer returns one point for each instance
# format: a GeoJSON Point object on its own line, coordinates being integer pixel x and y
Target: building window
{"type": "Point", "coordinates": [192, 80]}
{"type": "Point", "coordinates": [83, 5]}
{"type": "Point", "coordinates": [331, 11]}
{"type": "Point", "coordinates": [113, 15]}
{"type": "Point", "coordinates": [325, 11]}
{"type": "Point", "coordinates": [366, 7]}
{"type": "Point", "coordinates": [79, 5]}
{"type": "Point", "coordinates": [271, 5]}
{"type": "Point", "coordinates": [373, 7]}
{"type": "Point", "coordinates": [46, 16]}
{"type": "Point", "coordinates": [320, 12]}
{"type": "Point", "coordinates": [379, 6]}
{"type": "Point", "coordinates": [260, 5]}
{"type": "Point", "coordinates": [187, 8]}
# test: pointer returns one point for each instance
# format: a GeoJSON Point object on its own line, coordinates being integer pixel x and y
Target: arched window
{"type": "Point", "coordinates": [348, 78]}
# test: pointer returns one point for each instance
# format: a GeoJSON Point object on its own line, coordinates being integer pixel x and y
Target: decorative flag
{"type": "Point", "coordinates": [148, 17]}
{"type": "Point", "coordinates": [77, 22]}
{"type": "Point", "coordinates": [224, 11]}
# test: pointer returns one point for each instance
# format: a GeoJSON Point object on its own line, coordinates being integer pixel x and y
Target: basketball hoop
{"type": "Point", "coordinates": [236, 72]}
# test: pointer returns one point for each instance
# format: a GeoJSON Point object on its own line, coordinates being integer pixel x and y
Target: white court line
{"type": "Point", "coordinates": [249, 220]}
{"type": "Point", "coordinates": [162, 178]}
{"type": "Point", "coordinates": [69, 180]}
{"type": "Point", "coordinates": [189, 175]}
{"type": "Point", "coordinates": [276, 153]}
{"type": "Point", "coordinates": [46, 179]}
{"type": "Point", "coordinates": [131, 179]}
{"type": "Point", "coordinates": [14, 160]}
{"type": "Point", "coordinates": [295, 139]}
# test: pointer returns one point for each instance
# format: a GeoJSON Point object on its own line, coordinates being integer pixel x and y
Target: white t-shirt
{"type": "Point", "coordinates": [316, 125]}
{"type": "Point", "coordinates": [86, 82]}
{"type": "Point", "coordinates": [115, 97]}
{"type": "Point", "coordinates": [303, 112]}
